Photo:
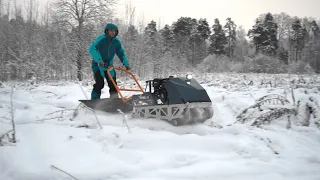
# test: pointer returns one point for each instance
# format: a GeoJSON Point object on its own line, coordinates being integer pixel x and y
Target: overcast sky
{"type": "Point", "coordinates": [243, 12]}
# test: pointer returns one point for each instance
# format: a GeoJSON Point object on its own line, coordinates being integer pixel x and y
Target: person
{"type": "Point", "coordinates": [103, 50]}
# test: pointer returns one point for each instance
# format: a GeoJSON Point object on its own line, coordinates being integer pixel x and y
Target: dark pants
{"type": "Point", "coordinates": [99, 84]}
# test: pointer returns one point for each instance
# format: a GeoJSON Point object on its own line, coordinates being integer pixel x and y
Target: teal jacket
{"type": "Point", "coordinates": [104, 48]}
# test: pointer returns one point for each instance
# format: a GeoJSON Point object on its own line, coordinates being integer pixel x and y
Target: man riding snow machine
{"type": "Point", "coordinates": [178, 100]}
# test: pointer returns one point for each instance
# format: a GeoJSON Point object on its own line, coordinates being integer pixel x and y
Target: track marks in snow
{"type": "Point", "coordinates": [155, 149]}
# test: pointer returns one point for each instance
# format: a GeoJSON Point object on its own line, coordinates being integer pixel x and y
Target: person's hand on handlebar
{"type": "Point", "coordinates": [127, 68]}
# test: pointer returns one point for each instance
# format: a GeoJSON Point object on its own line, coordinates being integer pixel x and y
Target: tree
{"type": "Point", "coordinates": [198, 41]}
{"type": "Point", "coordinates": [130, 35]}
{"type": "Point", "coordinates": [129, 13]}
{"type": "Point", "coordinates": [195, 42]}
{"type": "Point", "coordinates": [204, 29]}
{"type": "Point", "coordinates": [77, 14]}
{"type": "Point", "coordinates": [311, 55]}
{"type": "Point", "coordinates": [131, 44]}
{"type": "Point", "coordinates": [16, 49]}
{"type": "Point", "coordinates": [242, 45]}
{"type": "Point", "coordinates": [151, 39]}
{"type": "Point", "coordinates": [315, 30]}
{"type": "Point", "coordinates": [182, 30]}
{"type": "Point", "coordinates": [297, 39]}
{"type": "Point", "coordinates": [183, 26]}
{"type": "Point", "coordinates": [264, 35]}
{"type": "Point", "coordinates": [271, 42]}
{"type": "Point", "coordinates": [257, 35]}
{"type": "Point", "coordinates": [283, 22]}
{"type": "Point", "coordinates": [151, 34]}
{"type": "Point", "coordinates": [218, 39]}
{"type": "Point", "coordinates": [168, 38]}
{"type": "Point", "coordinates": [311, 49]}
{"type": "Point", "coordinates": [3, 39]}
{"type": "Point", "coordinates": [283, 55]}
{"type": "Point", "coordinates": [230, 29]}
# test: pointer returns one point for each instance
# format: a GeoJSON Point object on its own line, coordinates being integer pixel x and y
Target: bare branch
{"type": "Point", "coordinates": [95, 115]}
{"type": "Point", "coordinates": [54, 167]}
{"type": "Point", "coordinates": [125, 120]}
{"type": "Point", "coordinates": [12, 118]}
{"type": "Point", "coordinates": [3, 136]}
{"type": "Point", "coordinates": [61, 112]}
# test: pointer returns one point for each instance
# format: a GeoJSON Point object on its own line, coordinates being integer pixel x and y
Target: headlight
{"type": "Point", "coordinates": [189, 76]}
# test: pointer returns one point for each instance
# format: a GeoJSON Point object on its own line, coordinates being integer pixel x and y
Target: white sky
{"type": "Point", "coordinates": [243, 12]}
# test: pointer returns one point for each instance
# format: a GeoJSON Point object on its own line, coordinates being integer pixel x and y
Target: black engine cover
{"type": "Point", "coordinates": [179, 91]}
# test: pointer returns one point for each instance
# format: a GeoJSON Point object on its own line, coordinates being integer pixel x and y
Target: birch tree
{"type": "Point", "coordinates": [284, 22]}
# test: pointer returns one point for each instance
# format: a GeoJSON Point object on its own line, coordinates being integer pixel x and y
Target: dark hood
{"type": "Point", "coordinates": [112, 27]}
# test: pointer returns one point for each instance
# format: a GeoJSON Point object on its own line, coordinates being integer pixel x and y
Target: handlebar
{"type": "Point", "coordinates": [124, 89]}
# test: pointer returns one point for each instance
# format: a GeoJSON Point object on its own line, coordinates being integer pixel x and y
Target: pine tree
{"type": "Point", "coordinates": [195, 43]}
{"type": "Point", "coordinates": [307, 30]}
{"type": "Point", "coordinates": [131, 34]}
{"type": "Point", "coordinates": [168, 38]}
{"type": "Point", "coordinates": [311, 55]}
{"type": "Point", "coordinates": [130, 42]}
{"type": "Point", "coordinates": [230, 29]}
{"type": "Point", "coordinates": [203, 33]}
{"type": "Point", "coordinates": [203, 29]}
{"type": "Point", "coordinates": [152, 47]}
{"type": "Point", "coordinates": [183, 26]}
{"type": "Point", "coordinates": [16, 46]}
{"type": "Point", "coordinates": [3, 42]}
{"type": "Point", "coordinates": [168, 63]}
{"type": "Point", "coordinates": [182, 30]}
{"type": "Point", "coordinates": [271, 28]}
{"type": "Point", "coordinates": [297, 39]}
{"type": "Point", "coordinates": [264, 35]}
{"type": "Point", "coordinates": [311, 49]}
{"type": "Point", "coordinates": [257, 35]}
{"type": "Point", "coordinates": [218, 39]}
{"type": "Point", "coordinates": [315, 29]}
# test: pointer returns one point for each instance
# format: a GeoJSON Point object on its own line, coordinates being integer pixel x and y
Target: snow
{"type": "Point", "coordinates": [154, 149]}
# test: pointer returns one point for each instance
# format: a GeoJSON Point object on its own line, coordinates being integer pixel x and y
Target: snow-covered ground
{"type": "Point", "coordinates": [154, 149]}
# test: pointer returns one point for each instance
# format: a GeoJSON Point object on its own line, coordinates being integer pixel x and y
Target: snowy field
{"type": "Point", "coordinates": [154, 150]}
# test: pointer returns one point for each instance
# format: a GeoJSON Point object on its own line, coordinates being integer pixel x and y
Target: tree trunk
{"type": "Point", "coordinates": [296, 54]}
{"type": "Point", "coordinates": [79, 65]}
{"type": "Point", "coordinates": [79, 51]}
{"type": "Point", "coordinates": [229, 46]}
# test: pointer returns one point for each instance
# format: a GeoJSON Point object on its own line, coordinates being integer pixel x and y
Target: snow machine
{"type": "Point", "coordinates": [178, 100]}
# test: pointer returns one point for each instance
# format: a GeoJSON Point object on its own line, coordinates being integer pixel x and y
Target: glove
{"type": "Point", "coordinates": [102, 68]}
{"type": "Point", "coordinates": [128, 67]}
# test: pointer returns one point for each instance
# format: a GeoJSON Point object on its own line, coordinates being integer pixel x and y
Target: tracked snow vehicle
{"type": "Point", "coordinates": [178, 100]}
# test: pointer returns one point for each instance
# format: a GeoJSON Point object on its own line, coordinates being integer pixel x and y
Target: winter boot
{"type": "Point", "coordinates": [95, 95]}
